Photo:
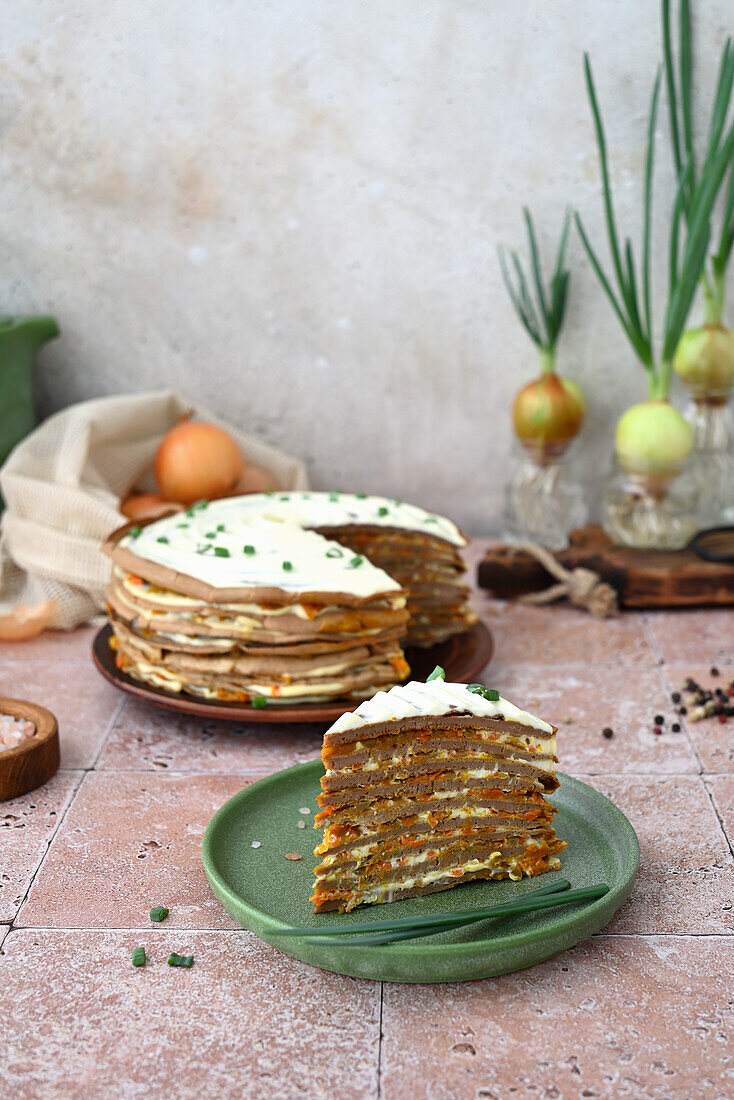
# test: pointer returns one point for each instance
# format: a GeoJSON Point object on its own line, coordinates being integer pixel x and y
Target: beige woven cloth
{"type": "Point", "coordinates": [63, 484]}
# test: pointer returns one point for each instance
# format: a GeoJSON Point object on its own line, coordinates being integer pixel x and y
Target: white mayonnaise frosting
{"type": "Point", "coordinates": [435, 697]}
{"type": "Point", "coordinates": [208, 543]}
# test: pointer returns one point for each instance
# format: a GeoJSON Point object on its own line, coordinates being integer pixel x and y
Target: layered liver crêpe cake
{"type": "Point", "coordinates": [284, 598]}
{"type": "Point", "coordinates": [428, 786]}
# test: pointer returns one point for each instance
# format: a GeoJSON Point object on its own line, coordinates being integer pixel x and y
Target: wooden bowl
{"type": "Point", "coordinates": [35, 760]}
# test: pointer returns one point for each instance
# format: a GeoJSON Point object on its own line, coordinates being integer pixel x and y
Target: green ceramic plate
{"type": "Point", "coordinates": [264, 891]}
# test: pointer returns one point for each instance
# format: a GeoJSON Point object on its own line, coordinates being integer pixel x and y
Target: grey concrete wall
{"type": "Point", "coordinates": [290, 209]}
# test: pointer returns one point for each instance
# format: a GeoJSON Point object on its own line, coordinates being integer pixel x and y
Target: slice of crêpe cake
{"type": "Point", "coordinates": [430, 785]}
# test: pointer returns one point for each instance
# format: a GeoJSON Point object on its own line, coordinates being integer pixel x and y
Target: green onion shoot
{"type": "Point", "coordinates": [548, 412]}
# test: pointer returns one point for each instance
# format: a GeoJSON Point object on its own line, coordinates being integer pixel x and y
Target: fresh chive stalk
{"type": "Point", "coordinates": [450, 921]}
{"type": "Point", "coordinates": [428, 921]}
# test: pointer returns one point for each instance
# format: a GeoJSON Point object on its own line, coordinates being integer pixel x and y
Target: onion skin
{"type": "Point", "coordinates": [653, 440]}
{"type": "Point", "coordinates": [147, 506]}
{"type": "Point", "coordinates": [197, 462]}
{"type": "Point", "coordinates": [548, 413]}
{"type": "Point", "coordinates": [704, 359]}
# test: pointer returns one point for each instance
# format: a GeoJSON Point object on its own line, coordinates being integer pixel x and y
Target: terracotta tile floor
{"type": "Point", "coordinates": [648, 1001]}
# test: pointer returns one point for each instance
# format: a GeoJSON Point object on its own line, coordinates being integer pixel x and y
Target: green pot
{"type": "Point", "coordinates": [20, 339]}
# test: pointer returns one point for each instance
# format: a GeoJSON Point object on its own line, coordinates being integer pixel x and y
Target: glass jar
{"type": "Point", "coordinates": [544, 502]}
{"type": "Point", "coordinates": [711, 418]}
{"type": "Point", "coordinates": [651, 512]}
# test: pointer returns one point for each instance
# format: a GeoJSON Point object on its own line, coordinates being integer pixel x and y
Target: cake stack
{"type": "Point", "coordinates": [282, 598]}
{"type": "Point", "coordinates": [428, 567]}
{"type": "Point", "coordinates": [430, 785]}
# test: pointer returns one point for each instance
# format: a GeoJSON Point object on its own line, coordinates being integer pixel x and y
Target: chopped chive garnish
{"type": "Point", "coordinates": [185, 961]}
{"type": "Point", "coordinates": [356, 562]}
{"type": "Point", "coordinates": [335, 552]}
{"type": "Point", "coordinates": [333, 496]}
{"type": "Point", "coordinates": [159, 913]}
{"type": "Point", "coordinates": [259, 701]}
{"type": "Point", "coordinates": [220, 527]}
{"type": "Point", "coordinates": [487, 693]}
{"type": "Point", "coordinates": [430, 519]}
{"type": "Point", "coordinates": [221, 551]}
{"type": "Point", "coordinates": [206, 546]}
{"type": "Point", "coordinates": [360, 496]}
{"type": "Point", "coordinates": [248, 549]}
{"type": "Point", "coordinates": [286, 497]}
{"type": "Point", "coordinates": [437, 674]}
{"type": "Point", "coordinates": [138, 957]}
{"type": "Point", "coordinates": [287, 565]}
{"type": "Point", "coordinates": [382, 510]}
{"type": "Point", "coordinates": [161, 538]}
{"type": "Point", "coordinates": [135, 531]}
{"type": "Point", "coordinates": [182, 525]}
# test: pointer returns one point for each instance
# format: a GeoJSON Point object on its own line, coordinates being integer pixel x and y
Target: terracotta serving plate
{"type": "Point", "coordinates": [265, 892]}
{"type": "Point", "coordinates": [463, 657]}
{"type": "Point", "coordinates": [36, 759]}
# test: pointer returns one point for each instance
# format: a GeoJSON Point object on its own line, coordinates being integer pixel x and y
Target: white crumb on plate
{"type": "Point", "coordinates": [256, 844]}
{"type": "Point", "coordinates": [301, 824]}
{"type": "Point", "coordinates": [304, 810]}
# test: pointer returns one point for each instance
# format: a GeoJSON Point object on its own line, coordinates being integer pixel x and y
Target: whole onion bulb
{"type": "Point", "coordinates": [197, 462]}
{"type": "Point", "coordinates": [547, 413]}
{"type": "Point", "coordinates": [704, 359]}
{"type": "Point", "coordinates": [653, 440]}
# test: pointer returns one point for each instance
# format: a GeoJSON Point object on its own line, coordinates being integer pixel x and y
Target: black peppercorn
{"type": "Point", "coordinates": [659, 719]}
{"type": "Point", "coordinates": [714, 672]}
{"type": "Point", "coordinates": [675, 727]}
{"type": "Point", "coordinates": [607, 732]}
{"type": "Point", "coordinates": [675, 697]}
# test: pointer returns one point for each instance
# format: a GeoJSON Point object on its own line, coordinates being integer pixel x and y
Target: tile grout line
{"type": "Point", "coordinates": [715, 808]}
{"type": "Point", "coordinates": [110, 727]}
{"type": "Point", "coordinates": [180, 930]}
{"type": "Point", "coordinates": [81, 772]}
{"type": "Point", "coordinates": [705, 776]}
{"type": "Point", "coordinates": [379, 1043]}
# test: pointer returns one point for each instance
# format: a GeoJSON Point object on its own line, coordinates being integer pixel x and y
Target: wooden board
{"type": "Point", "coordinates": [642, 578]}
{"type": "Point", "coordinates": [463, 657]}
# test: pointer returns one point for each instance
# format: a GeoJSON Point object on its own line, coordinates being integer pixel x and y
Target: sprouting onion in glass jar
{"type": "Point", "coordinates": [653, 440]}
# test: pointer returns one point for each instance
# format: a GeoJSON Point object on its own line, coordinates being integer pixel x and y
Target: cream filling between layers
{"type": "Point", "coordinates": [195, 611]}
{"type": "Point", "coordinates": [546, 747]}
{"type": "Point", "coordinates": [155, 674]}
{"type": "Point", "coordinates": [512, 868]}
{"type": "Point", "coordinates": [365, 850]}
